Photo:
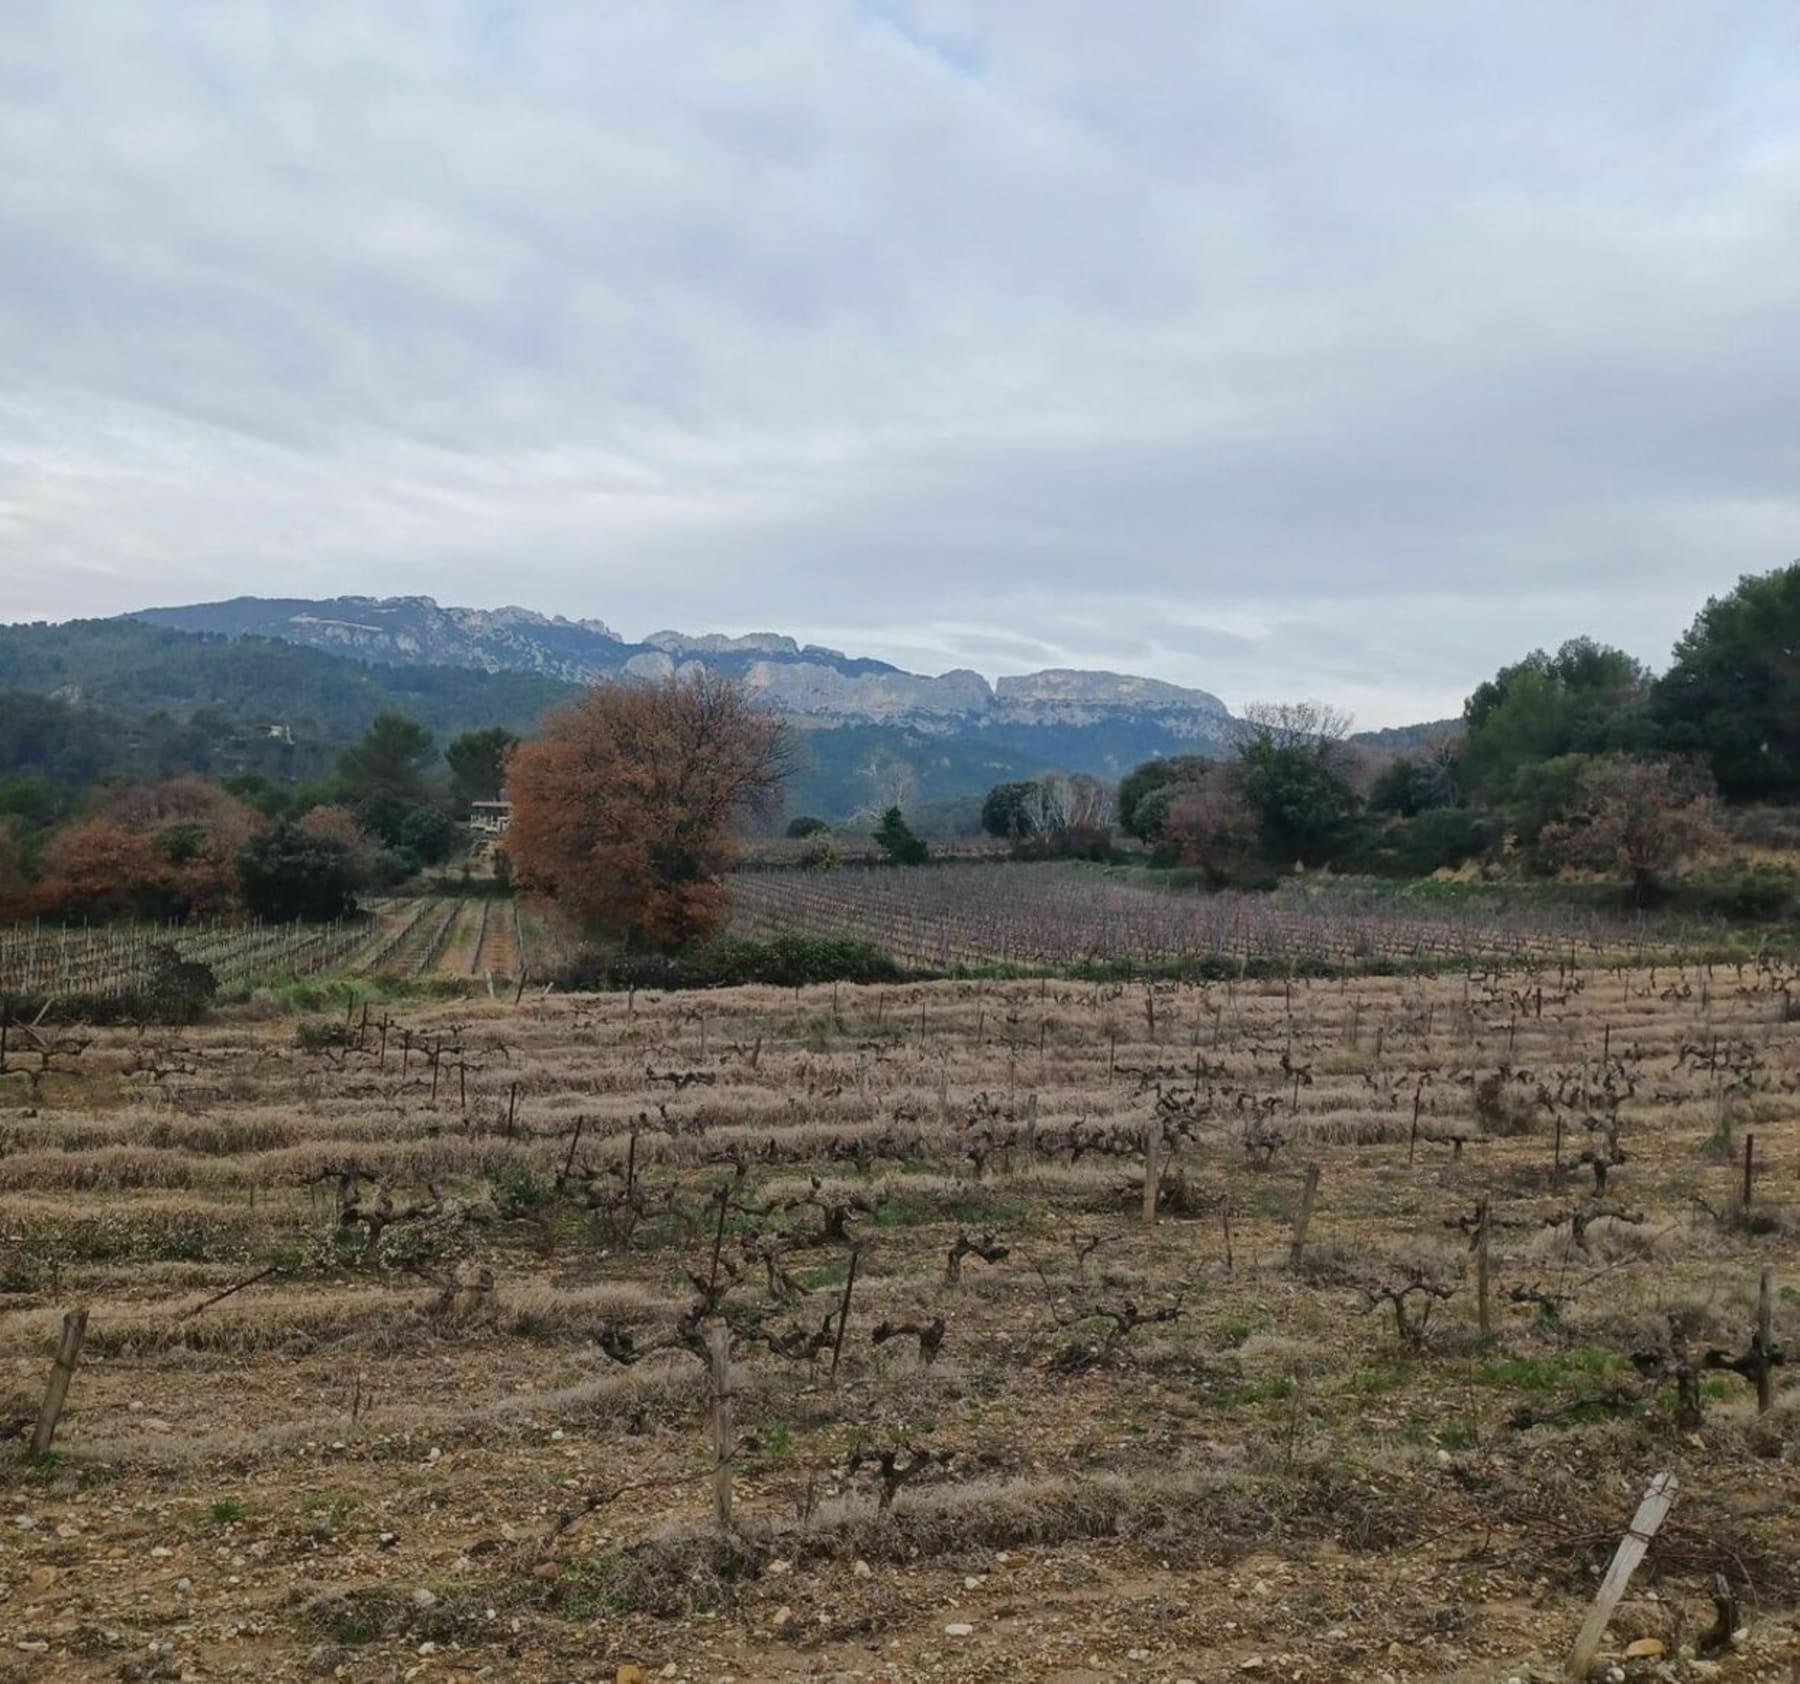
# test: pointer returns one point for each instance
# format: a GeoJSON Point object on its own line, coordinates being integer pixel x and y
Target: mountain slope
{"type": "Point", "coordinates": [136, 699]}
{"type": "Point", "coordinates": [251, 703]}
{"type": "Point", "coordinates": [807, 682]}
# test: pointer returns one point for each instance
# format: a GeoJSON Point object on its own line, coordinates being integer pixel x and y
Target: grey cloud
{"type": "Point", "coordinates": [1344, 350]}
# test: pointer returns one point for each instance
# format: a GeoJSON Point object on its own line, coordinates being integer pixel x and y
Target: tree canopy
{"type": "Point", "coordinates": [1587, 698]}
{"type": "Point", "coordinates": [290, 873]}
{"type": "Point", "coordinates": [897, 840]}
{"type": "Point", "coordinates": [390, 761]}
{"type": "Point", "coordinates": [477, 761]}
{"type": "Point", "coordinates": [1732, 695]}
{"type": "Point", "coordinates": [623, 807]}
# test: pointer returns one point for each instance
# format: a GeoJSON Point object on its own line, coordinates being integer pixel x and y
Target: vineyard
{"type": "Point", "coordinates": [115, 959]}
{"type": "Point", "coordinates": [1319, 1328]}
{"type": "Point", "coordinates": [954, 916]}
{"type": "Point", "coordinates": [415, 938]}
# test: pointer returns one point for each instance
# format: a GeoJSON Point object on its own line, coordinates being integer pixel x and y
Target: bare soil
{"type": "Point", "coordinates": [464, 1433]}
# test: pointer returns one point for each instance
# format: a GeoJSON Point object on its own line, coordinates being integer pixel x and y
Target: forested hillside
{"type": "Point", "coordinates": [116, 698]}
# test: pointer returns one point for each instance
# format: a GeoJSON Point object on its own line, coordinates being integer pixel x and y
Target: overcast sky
{"type": "Point", "coordinates": [1332, 350]}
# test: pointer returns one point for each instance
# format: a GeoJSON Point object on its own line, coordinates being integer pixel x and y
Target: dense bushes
{"type": "Point", "coordinates": [289, 873]}
{"type": "Point", "coordinates": [1437, 839]}
{"type": "Point", "coordinates": [783, 962]}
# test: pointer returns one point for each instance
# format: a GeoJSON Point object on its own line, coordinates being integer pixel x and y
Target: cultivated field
{"type": "Point", "coordinates": [967, 915]}
{"type": "Point", "coordinates": [397, 939]}
{"type": "Point", "coordinates": [457, 1421]}
{"type": "Point", "coordinates": [116, 958]}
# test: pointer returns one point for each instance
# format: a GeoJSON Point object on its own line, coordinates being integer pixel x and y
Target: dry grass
{"type": "Point", "coordinates": [455, 1395]}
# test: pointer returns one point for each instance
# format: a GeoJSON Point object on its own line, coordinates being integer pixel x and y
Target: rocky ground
{"type": "Point", "coordinates": [463, 1427]}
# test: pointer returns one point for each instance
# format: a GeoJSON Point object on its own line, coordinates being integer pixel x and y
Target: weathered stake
{"type": "Point", "coordinates": [718, 1364]}
{"type": "Point", "coordinates": [1152, 1170]}
{"type": "Point", "coordinates": [1765, 1339]}
{"type": "Point", "coordinates": [68, 1353]}
{"type": "Point", "coordinates": [837, 1344]}
{"type": "Point", "coordinates": [1483, 1314]}
{"type": "Point", "coordinates": [1651, 1513]}
{"type": "Point", "coordinates": [1303, 1216]}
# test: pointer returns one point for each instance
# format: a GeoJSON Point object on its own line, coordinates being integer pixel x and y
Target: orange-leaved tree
{"type": "Point", "coordinates": [197, 830]}
{"type": "Point", "coordinates": [100, 869]}
{"type": "Point", "coordinates": [623, 806]}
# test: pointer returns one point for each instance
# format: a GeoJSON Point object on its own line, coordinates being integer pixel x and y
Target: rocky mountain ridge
{"type": "Point", "coordinates": [813, 684]}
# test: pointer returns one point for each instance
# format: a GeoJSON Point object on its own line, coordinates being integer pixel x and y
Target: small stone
{"type": "Point", "coordinates": [42, 1578]}
{"type": "Point", "coordinates": [861, 1569]}
{"type": "Point", "coordinates": [971, 1583]}
{"type": "Point", "coordinates": [958, 1628]}
{"type": "Point", "coordinates": [1252, 1663]}
{"type": "Point", "coordinates": [434, 1454]}
{"type": "Point", "coordinates": [629, 1672]}
{"type": "Point", "coordinates": [423, 1598]}
{"type": "Point", "coordinates": [777, 1568]}
{"type": "Point", "coordinates": [1645, 1649]}
{"type": "Point", "coordinates": [427, 1648]}
{"type": "Point", "coordinates": [783, 1615]}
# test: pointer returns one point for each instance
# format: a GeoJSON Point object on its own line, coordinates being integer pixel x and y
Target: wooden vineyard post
{"type": "Point", "coordinates": [1152, 1170]}
{"type": "Point", "coordinates": [1484, 1323]}
{"type": "Point", "coordinates": [837, 1343]}
{"type": "Point", "coordinates": [718, 1367]}
{"type": "Point", "coordinates": [56, 1394]}
{"type": "Point", "coordinates": [1749, 1166]}
{"type": "Point", "coordinates": [569, 1162]}
{"type": "Point", "coordinates": [1651, 1513]}
{"type": "Point", "coordinates": [1303, 1216]}
{"type": "Point", "coordinates": [1765, 1340]}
